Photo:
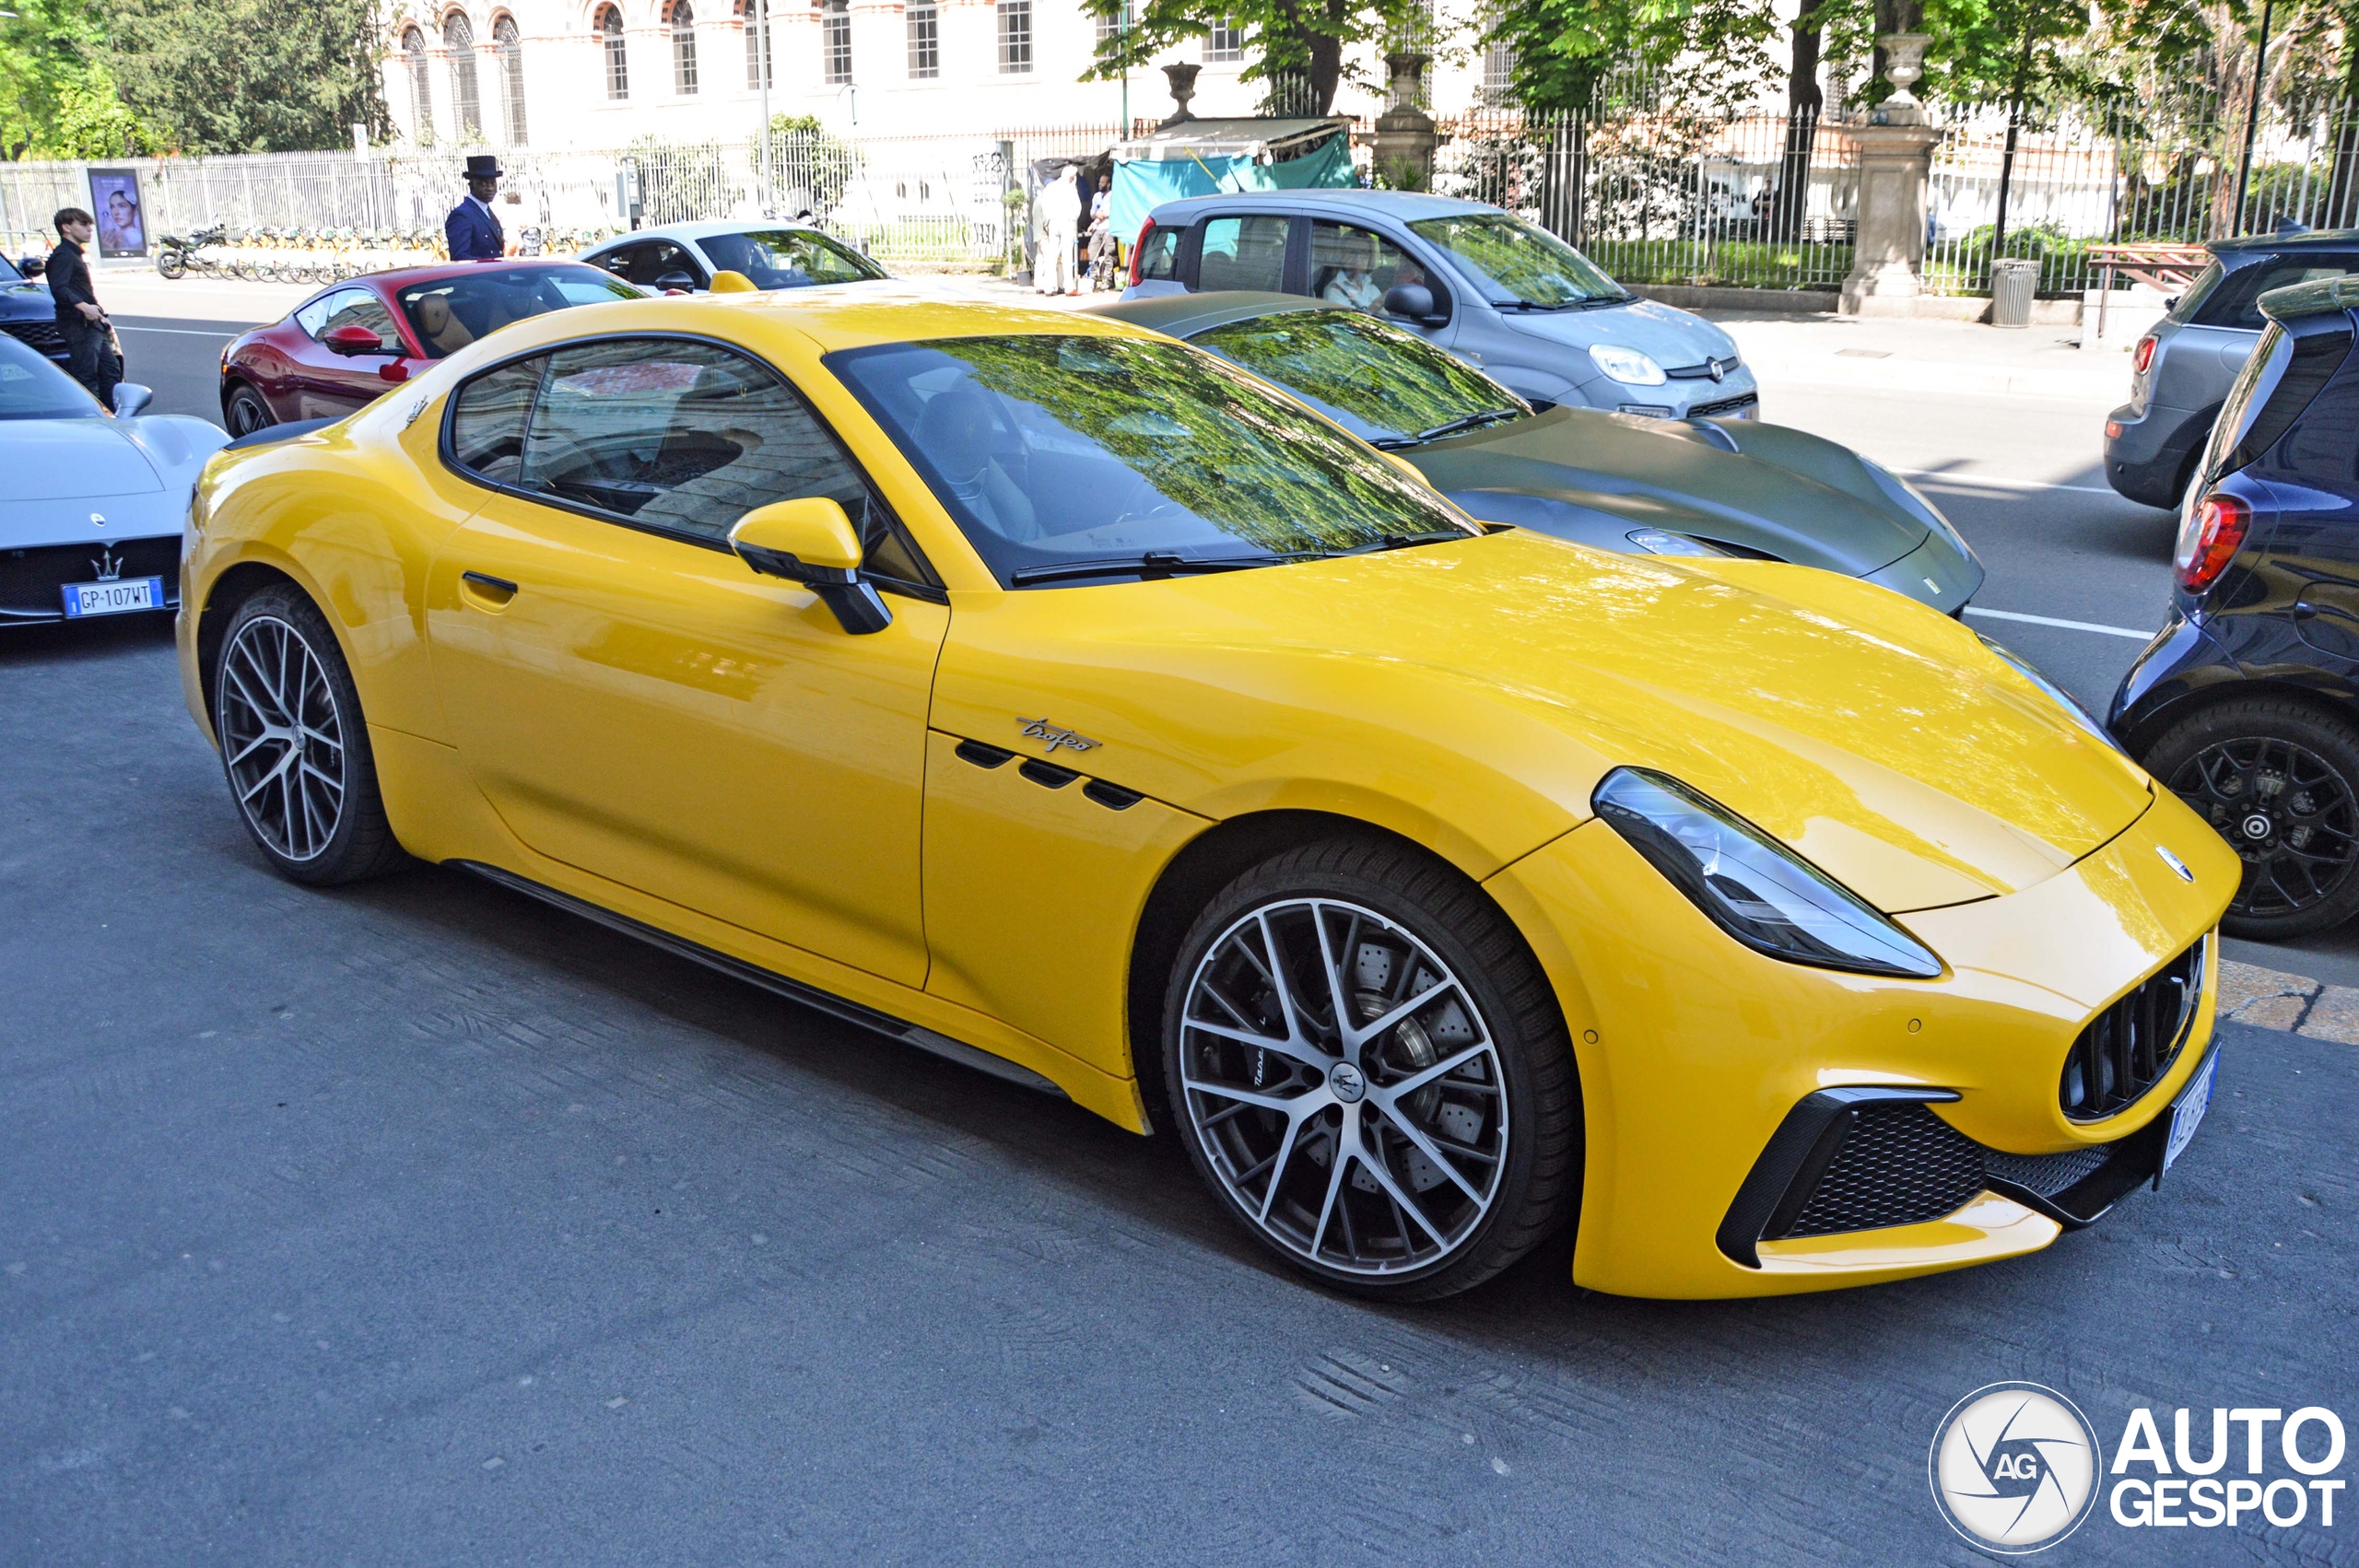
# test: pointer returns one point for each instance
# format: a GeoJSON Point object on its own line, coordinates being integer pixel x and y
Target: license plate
{"type": "Point", "coordinates": [114, 598]}
{"type": "Point", "coordinates": [2186, 1114]}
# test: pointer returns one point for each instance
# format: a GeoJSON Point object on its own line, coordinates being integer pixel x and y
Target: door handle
{"type": "Point", "coordinates": [485, 591]}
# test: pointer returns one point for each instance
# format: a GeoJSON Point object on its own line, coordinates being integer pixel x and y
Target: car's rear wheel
{"type": "Point", "coordinates": [2280, 781]}
{"type": "Point", "coordinates": [246, 412]}
{"type": "Point", "coordinates": [1372, 1072]}
{"type": "Point", "coordinates": [294, 744]}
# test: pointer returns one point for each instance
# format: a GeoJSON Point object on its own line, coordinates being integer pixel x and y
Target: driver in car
{"type": "Point", "coordinates": [954, 433]}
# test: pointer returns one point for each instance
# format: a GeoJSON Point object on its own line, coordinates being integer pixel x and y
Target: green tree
{"type": "Point", "coordinates": [249, 76]}
{"type": "Point", "coordinates": [1296, 47]}
{"type": "Point", "coordinates": [57, 91]}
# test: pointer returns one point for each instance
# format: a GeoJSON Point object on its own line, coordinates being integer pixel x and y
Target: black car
{"type": "Point", "coordinates": [2181, 370]}
{"type": "Point", "coordinates": [26, 312]}
{"type": "Point", "coordinates": [2247, 703]}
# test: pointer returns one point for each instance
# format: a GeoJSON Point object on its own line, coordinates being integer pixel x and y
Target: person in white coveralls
{"type": "Point", "coordinates": [1056, 222]}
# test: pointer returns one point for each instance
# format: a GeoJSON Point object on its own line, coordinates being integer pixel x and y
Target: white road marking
{"type": "Point", "coordinates": [1938, 477]}
{"type": "Point", "coordinates": [2052, 621]}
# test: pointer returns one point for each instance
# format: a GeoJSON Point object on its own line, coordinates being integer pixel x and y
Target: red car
{"type": "Point", "coordinates": [356, 340]}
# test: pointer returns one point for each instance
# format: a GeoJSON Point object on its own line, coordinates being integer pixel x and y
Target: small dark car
{"type": "Point", "coordinates": [2246, 705]}
{"type": "Point", "coordinates": [353, 342]}
{"type": "Point", "coordinates": [26, 312]}
{"type": "Point", "coordinates": [2182, 369]}
{"type": "Point", "coordinates": [1623, 482]}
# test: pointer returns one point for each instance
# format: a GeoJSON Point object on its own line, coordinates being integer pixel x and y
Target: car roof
{"type": "Point", "coordinates": [2250, 247]}
{"type": "Point", "coordinates": [402, 277]}
{"type": "Point", "coordinates": [1404, 207]}
{"type": "Point", "coordinates": [707, 228]}
{"type": "Point", "coordinates": [1184, 315]}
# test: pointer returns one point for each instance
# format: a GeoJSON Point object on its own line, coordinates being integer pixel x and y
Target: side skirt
{"type": "Point", "coordinates": [777, 984]}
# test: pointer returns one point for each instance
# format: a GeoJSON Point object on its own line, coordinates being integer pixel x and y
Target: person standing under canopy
{"type": "Point", "coordinates": [472, 229]}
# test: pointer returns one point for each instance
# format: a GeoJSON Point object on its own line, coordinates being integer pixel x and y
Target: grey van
{"type": "Point", "coordinates": [2180, 372]}
{"type": "Point", "coordinates": [1490, 287]}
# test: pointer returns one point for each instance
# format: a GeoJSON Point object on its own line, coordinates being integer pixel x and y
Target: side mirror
{"type": "Point", "coordinates": [352, 339]}
{"type": "Point", "coordinates": [677, 283]}
{"type": "Point", "coordinates": [1413, 301]}
{"type": "Point", "coordinates": [811, 542]}
{"type": "Point", "coordinates": [131, 399]}
{"type": "Point", "coordinates": [32, 266]}
{"type": "Point", "coordinates": [727, 282]}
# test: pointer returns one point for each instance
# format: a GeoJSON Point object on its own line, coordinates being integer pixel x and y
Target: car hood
{"type": "Point", "coordinates": [67, 481]}
{"type": "Point", "coordinates": [1788, 495]}
{"type": "Point", "coordinates": [1472, 695]}
{"type": "Point", "coordinates": [1668, 336]}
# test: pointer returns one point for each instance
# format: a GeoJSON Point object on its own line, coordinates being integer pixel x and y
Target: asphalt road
{"type": "Point", "coordinates": [418, 1224]}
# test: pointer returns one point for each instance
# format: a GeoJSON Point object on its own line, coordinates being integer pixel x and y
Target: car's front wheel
{"type": "Point", "coordinates": [246, 412]}
{"type": "Point", "coordinates": [2280, 781]}
{"type": "Point", "coordinates": [1372, 1072]}
{"type": "Point", "coordinates": [294, 744]}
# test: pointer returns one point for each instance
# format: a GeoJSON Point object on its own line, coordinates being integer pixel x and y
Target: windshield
{"type": "Point", "coordinates": [1064, 457]}
{"type": "Point", "coordinates": [788, 258]}
{"type": "Point", "coordinates": [1381, 384]}
{"type": "Point", "coordinates": [1523, 262]}
{"type": "Point", "coordinates": [448, 313]}
{"type": "Point", "coordinates": [32, 387]}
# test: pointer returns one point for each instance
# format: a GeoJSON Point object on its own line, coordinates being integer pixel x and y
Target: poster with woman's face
{"type": "Point", "coordinates": [114, 202]}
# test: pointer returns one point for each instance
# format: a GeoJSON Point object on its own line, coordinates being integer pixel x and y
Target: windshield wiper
{"type": "Point", "coordinates": [1587, 303]}
{"type": "Point", "coordinates": [1152, 564]}
{"type": "Point", "coordinates": [1488, 416]}
{"type": "Point", "coordinates": [1405, 541]}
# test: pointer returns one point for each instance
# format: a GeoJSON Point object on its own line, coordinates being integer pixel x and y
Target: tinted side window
{"type": "Point", "coordinates": [1159, 257]}
{"type": "Point", "coordinates": [2324, 444]}
{"type": "Point", "coordinates": [2236, 301]}
{"type": "Point", "coordinates": [1243, 252]}
{"type": "Point", "coordinates": [688, 437]}
{"type": "Point", "coordinates": [1351, 266]}
{"type": "Point", "coordinates": [487, 420]}
{"type": "Point", "coordinates": [348, 307]}
{"type": "Point", "coordinates": [647, 265]}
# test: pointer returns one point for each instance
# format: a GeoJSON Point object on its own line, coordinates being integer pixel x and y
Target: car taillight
{"type": "Point", "coordinates": [2210, 539]}
{"type": "Point", "coordinates": [1138, 251]}
{"type": "Point", "coordinates": [2146, 355]}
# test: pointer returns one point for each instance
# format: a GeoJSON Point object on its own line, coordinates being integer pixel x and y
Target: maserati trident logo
{"type": "Point", "coordinates": [108, 566]}
{"type": "Point", "coordinates": [2180, 866]}
{"type": "Point", "coordinates": [1041, 730]}
{"type": "Point", "coordinates": [2014, 1468]}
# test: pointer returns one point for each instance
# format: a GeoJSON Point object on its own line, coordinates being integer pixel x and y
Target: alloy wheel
{"type": "Point", "coordinates": [283, 738]}
{"type": "Point", "coordinates": [1343, 1086]}
{"type": "Point", "coordinates": [2288, 812]}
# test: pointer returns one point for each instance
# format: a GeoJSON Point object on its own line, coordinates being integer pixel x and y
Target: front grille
{"type": "Point", "coordinates": [2125, 1050]}
{"type": "Point", "coordinates": [1901, 1164]}
{"type": "Point", "coordinates": [40, 336]}
{"type": "Point", "coordinates": [1726, 405]}
{"type": "Point", "coordinates": [30, 579]}
{"type": "Point", "coordinates": [1695, 372]}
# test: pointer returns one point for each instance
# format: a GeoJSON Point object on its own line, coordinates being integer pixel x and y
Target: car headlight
{"type": "Point", "coordinates": [1910, 499]}
{"type": "Point", "coordinates": [2062, 697]}
{"type": "Point", "coordinates": [1655, 542]}
{"type": "Point", "coordinates": [1751, 886]}
{"type": "Point", "coordinates": [1626, 366]}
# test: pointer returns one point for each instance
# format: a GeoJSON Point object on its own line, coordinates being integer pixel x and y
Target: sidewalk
{"type": "Point", "coordinates": [1951, 358]}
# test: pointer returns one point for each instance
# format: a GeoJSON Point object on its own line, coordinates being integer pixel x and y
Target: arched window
{"type": "Point", "coordinates": [684, 48]}
{"type": "Point", "coordinates": [421, 88]}
{"type": "Point", "coordinates": [509, 47]}
{"type": "Point", "coordinates": [758, 63]}
{"type": "Point", "coordinates": [610, 35]}
{"type": "Point", "coordinates": [466, 103]}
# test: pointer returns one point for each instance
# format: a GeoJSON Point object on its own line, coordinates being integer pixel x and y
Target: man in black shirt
{"type": "Point", "coordinates": [90, 341]}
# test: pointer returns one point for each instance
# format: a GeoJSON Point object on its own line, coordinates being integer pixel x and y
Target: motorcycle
{"type": "Point", "coordinates": [172, 259]}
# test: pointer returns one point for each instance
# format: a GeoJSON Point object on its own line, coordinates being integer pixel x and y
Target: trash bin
{"type": "Point", "coordinates": [2014, 280]}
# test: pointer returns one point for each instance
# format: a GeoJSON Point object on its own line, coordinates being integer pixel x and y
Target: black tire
{"type": "Point", "coordinates": [1425, 946]}
{"type": "Point", "coordinates": [244, 410]}
{"type": "Point", "coordinates": [2279, 780]}
{"type": "Point", "coordinates": [282, 690]}
{"type": "Point", "coordinates": [172, 264]}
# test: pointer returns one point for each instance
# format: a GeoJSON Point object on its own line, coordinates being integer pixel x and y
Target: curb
{"type": "Point", "coordinates": [2294, 1004]}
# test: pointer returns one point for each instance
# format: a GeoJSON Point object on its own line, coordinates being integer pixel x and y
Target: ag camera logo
{"type": "Point", "coordinates": [2014, 1468]}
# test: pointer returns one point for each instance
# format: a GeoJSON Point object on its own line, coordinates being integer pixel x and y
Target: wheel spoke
{"type": "Point", "coordinates": [1288, 1008]}
{"type": "Point", "coordinates": [1278, 1161]}
{"type": "Point", "coordinates": [1401, 1123]}
{"type": "Point", "coordinates": [1334, 1184]}
{"type": "Point", "coordinates": [1338, 992]}
{"type": "Point", "coordinates": [1284, 1105]}
{"type": "Point", "coordinates": [1374, 1029]}
{"type": "Point", "coordinates": [1393, 1189]}
{"type": "Point", "coordinates": [1287, 1048]}
{"type": "Point", "coordinates": [1417, 1080]}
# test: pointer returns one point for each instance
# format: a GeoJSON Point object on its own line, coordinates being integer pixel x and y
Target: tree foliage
{"type": "Point", "coordinates": [1294, 48]}
{"type": "Point", "coordinates": [58, 97]}
{"type": "Point", "coordinates": [1566, 50]}
{"type": "Point", "coordinates": [248, 75]}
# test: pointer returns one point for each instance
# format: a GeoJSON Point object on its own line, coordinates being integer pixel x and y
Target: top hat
{"type": "Point", "coordinates": [483, 166]}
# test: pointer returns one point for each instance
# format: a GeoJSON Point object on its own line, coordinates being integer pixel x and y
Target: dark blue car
{"type": "Point", "coordinates": [2246, 705]}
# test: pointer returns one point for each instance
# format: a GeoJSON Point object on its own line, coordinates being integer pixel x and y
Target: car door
{"type": "Point", "coordinates": [1244, 250]}
{"type": "Point", "coordinates": [1348, 265]}
{"type": "Point", "coordinates": [632, 699]}
{"type": "Point", "coordinates": [331, 385]}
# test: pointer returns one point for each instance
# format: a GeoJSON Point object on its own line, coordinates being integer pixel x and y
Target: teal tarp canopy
{"type": "Point", "coordinates": [1141, 185]}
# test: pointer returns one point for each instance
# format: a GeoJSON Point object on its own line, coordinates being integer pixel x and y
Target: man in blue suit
{"type": "Point", "coordinates": [472, 230]}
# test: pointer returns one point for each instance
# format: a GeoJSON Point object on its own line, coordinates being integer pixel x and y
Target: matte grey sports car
{"type": "Point", "coordinates": [1618, 481]}
{"type": "Point", "coordinates": [91, 505]}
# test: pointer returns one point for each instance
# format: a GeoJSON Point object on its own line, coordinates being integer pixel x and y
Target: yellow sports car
{"type": "Point", "coordinates": [1055, 696]}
